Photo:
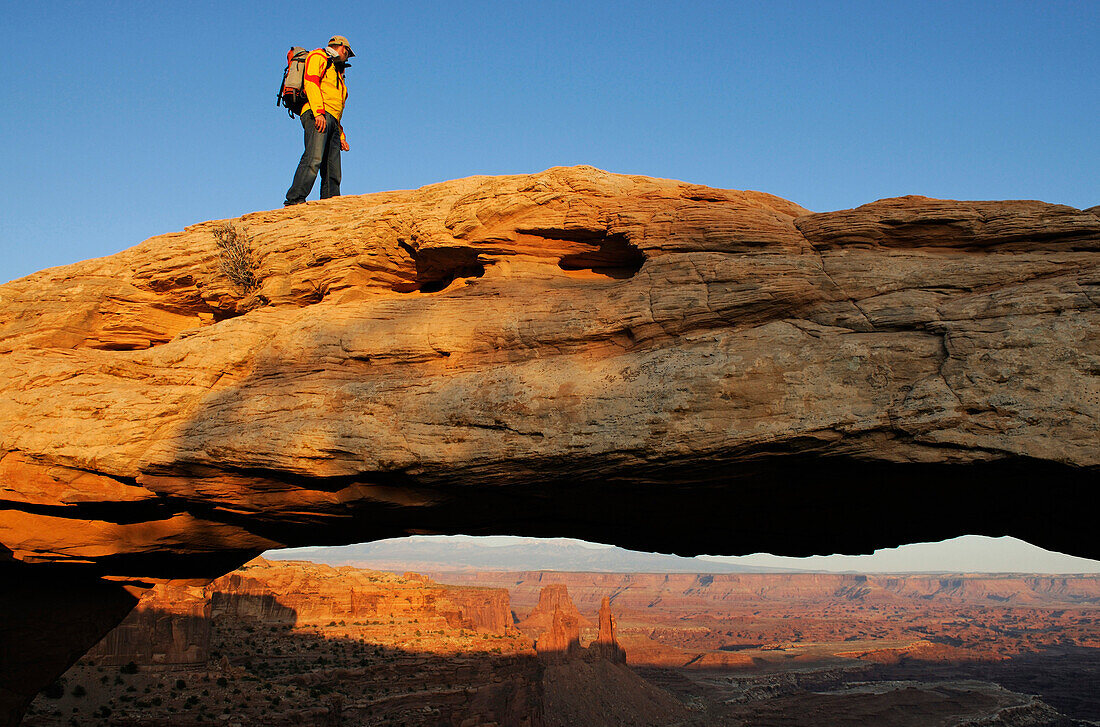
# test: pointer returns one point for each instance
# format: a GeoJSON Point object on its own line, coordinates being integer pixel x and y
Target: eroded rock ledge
{"type": "Point", "coordinates": [630, 360]}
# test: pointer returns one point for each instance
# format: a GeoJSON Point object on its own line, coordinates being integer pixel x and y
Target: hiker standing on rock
{"type": "Point", "coordinates": [325, 93]}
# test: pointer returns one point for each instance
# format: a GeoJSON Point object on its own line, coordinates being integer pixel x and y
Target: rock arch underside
{"type": "Point", "coordinates": [637, 361]}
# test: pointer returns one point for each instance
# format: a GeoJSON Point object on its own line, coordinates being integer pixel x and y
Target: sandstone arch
{"type": "Point", "coordinates": [637, 361]}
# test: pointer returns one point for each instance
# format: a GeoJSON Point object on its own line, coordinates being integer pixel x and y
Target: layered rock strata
{"type": "Point", "coordinates": [412, 357]}
{"type": "Point", "coordinates": [700, 591]}
{"type": "Point", "coordinates": [483, 355]}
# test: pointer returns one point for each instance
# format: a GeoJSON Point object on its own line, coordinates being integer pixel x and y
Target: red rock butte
{"type": "Point", "coordinates": [629, 360]}
{"type": "Point", "coordinates": [554, 599]}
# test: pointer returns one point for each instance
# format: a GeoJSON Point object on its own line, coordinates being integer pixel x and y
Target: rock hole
{"type": "Point", "coordinates": [438, 267]}
{"type": "Point", "coordinates": [612, 255]}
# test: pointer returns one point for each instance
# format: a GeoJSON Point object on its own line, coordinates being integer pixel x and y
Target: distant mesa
{"type": "Point", "coordinates": [171, 624]}
{"type": "Point", "coordinates": [554, 598]}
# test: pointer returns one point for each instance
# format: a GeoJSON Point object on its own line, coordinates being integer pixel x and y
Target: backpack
{"type": "Point", "coordinates": [291, 94]}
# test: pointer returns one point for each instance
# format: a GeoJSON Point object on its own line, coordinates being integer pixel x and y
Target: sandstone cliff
{"type": "Point", "coordinates": [171, 624]}
{"type": "Point", "coordinates": [487, 354]}
{"type": "Point", "coordinates": [653, 590]}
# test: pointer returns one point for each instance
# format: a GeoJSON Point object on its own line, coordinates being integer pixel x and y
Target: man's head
{"type": "Point", "coordinates": [340, 44]}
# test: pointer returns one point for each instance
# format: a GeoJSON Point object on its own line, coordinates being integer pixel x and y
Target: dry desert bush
{"type": "Point", "coordinates": [237, 259]}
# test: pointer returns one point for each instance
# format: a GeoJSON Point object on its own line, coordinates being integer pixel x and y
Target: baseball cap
{"type": "Point", "coordinates": [341, 40]}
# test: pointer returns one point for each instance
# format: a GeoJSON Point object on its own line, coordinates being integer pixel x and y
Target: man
{"type": "Point", "coordinates": [324, 136]}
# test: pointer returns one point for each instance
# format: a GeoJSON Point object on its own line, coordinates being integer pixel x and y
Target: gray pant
{"type": "Point", "coordinates": [322, 153]}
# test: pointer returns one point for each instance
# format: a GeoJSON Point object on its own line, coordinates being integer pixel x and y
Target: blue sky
{"type": "Point", "coordinates": [128, 120]}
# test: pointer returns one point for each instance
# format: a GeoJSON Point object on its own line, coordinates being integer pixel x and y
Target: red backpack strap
{"type": "Point", "coordinates": [317, 79]}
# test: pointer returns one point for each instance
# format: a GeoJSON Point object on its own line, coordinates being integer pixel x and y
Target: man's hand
{"type": "Point", "coordinates": [319, 122]}
{"type": "Point", "coordinates": [344, 145]}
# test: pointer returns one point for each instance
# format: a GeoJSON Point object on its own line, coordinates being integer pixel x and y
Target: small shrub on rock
{"type": "Point", "coordinates": [238, 262]}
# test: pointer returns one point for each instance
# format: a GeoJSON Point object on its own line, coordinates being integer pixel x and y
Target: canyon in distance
{"type": "Point", "coordinates": [299, 643]}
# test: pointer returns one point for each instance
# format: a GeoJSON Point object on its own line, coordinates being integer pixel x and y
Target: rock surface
{"type": "Point", "coordinates": [526, 354]}
{"type": "Point", "coordinates": [413, 357]}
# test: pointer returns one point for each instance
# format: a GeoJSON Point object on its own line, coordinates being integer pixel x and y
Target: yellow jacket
{"type": "Point", "coordinates": [324, 86]}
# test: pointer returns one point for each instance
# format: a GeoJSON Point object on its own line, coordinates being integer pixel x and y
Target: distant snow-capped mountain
{"type": "Point", "coordinates": [459, 552]}
{"type": "Point", "coordinates": [439, 553]}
